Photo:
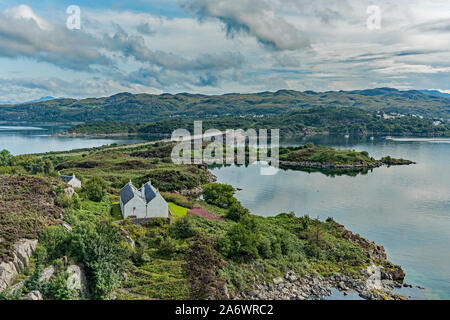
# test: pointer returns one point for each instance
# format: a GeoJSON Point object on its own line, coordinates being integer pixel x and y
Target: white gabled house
{"type": "Point", "coordinates": [72, 180]}
{"type": "Point", "coordinates": [146, 202]}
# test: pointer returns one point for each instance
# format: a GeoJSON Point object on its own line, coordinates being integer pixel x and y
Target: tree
{"type": "Point", "coordinates": [98, 246]}
{"type": "Point", "coordinates": [95, 189]}
{"type": "Point", "coordinates": [220, 195]}
{"type": "Point", "coordinates": [236, 211]}
{"type": "Point", "coordinates": [242, 240]}
{"type": "Point", "coordinates": [5, 158]}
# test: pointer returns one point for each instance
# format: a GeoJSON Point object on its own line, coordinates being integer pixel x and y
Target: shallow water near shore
{"type": "Point", "coordinates": [406, 209]}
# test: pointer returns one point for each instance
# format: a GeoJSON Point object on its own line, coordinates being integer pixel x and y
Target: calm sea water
{"type": "Point", "coordinates": [37, 139]}
{"type": "Point", "coordinates": [406, 209]}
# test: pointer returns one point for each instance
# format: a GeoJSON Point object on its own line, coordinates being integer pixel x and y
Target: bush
{"type": "Point", "coordinates": [236, 211]}
{"type": "Point", "coordinates": [54, 239]}
{"type": "Point", "coordinates": [58, 290]}
{"type": "Point", "coordinates": [63, 201]}
{"type": "Point", "coordinates": [168, 247]}
{"type": "Point", "coordinates": [95, 189]}
{"type": "Point", "coordinates": [220, 195]}
{"type": "Point", "coordinates": [5, 158]}
{"type": "Point", "coordinates": [183, 228]}
{"type": "Point", "coordinates": [242, 240]}
{"type": "Point", "coordinates": [98, 246]}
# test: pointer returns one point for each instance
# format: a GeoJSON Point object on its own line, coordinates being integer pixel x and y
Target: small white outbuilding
{"type": "Point", "coordinates": [72, 180]}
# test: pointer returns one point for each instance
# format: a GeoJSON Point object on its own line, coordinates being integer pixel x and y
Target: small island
{"type": "Point", "coordinates": [310, 156]}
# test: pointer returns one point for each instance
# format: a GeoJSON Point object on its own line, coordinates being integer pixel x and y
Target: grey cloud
{"type": "Point", "coordinates": [254, 17]}
{"type": "Point", "coordinates": [145, 29]}
{"type": "Point", "coordinates": [134, 46]}
{"type": "Point", "coordinates": [20, 37]}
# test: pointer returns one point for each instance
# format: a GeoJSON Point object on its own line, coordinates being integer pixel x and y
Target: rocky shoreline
{"type": "Point", "coordinates": [375, 282]}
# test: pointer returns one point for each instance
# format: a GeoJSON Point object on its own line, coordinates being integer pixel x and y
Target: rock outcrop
{"type": "Point", "coordinates": [77, 280]}
{"type": "Point", "coordinates": [369, 285]}
{"type": "Point", "coordinates": [21, 253]}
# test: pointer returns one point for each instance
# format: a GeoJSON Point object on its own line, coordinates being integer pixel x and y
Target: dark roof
{"type": "Point", "coordinates": [65, 178]}
{"type": "Point", "coordinates": [149, 193]}
{"type": "Point", "coordinates": [127, 193]}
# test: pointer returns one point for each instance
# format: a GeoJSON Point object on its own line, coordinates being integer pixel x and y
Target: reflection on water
{"type": "Point", "coordinates": [406, 208]}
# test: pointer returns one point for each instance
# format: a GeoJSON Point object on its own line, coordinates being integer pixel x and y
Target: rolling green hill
{"type": "Point", "coordinates": [145, 107]}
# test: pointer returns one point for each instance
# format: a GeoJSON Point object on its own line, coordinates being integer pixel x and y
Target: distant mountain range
{"type": "Point", "coordinates": [47, 98]}
{"type": "Point", "coordinates": [436, 93]}
{"type": "Point", "coordinates": [147, 107]}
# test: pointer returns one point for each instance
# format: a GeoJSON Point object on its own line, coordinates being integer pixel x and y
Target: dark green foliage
{"type": "Point", "coordinates": [94, 189]}
{"type": "Point", "coordinates": [98, 246]}
{"type": "Point", "coordinates": [183, 228]}
{"type": "Point", "coordinates": [5, 158]}
{"type": "Point", "coordinates": [55, 241]}
{"type": "Point", "coordinates": [242, 240]}
{"type": "Point", "coordinates": [220, 195]}
{"type": "Point", "coordinates": [236, 211]}
{"type": "Point", "coordinates": [57, 289]}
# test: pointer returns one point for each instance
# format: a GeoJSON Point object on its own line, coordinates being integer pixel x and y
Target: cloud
{"type": "Point", "coordinates": [145, 29]}
{"type": "Point", "coordinates": [24, 34]}
{"type": "Point", "coordinates": [134, 46]}
{"type": "Point", "coordinates": [254, 17]}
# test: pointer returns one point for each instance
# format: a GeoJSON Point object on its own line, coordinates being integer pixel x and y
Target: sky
{"type": "Point", "coordinates": [220, 46]}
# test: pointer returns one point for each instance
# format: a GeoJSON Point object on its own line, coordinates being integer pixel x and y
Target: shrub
{"type": "Point", "coordinates": [63, 201]}
{"type": "Point", "coordinates": [168, 247]}
{"type": "Point", "coordinates": [58, 290]}
{"type": "Point", "coordinates": [220, 195]}
{"type": "Point", "coordinates": [5, 158]}
{"type": "Point", "coordinates": [54, 239]}
{"type": "Point", "coordinates": [236, 211]}
{"type": "Point", "coordinates": [99, 247]}
{"type": "Point", "coordinates": [183, 228]}
{"type": "Point", "coordinates": [242, 240]}
{"type": "Point", "coordinates": [95, 189]}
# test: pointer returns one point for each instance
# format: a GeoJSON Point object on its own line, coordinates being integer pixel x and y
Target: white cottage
{"type": "Point", "coordinates": [71, 180]}
{"type": "Point", "coordinates": [146, 202]}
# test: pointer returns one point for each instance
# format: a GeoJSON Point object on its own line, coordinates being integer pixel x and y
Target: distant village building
{"type": "Point", "coordinates": [72, 180]}
{"type": "Point", "coordinates": [146, 202]}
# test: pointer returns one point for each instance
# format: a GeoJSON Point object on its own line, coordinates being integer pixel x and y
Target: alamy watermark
{"type": "Point", "coordinates": [230, 147]}
{"type": "Point", "coordinates": [73, 21]}
{"type": "Point", "coordinates": [374, 19]}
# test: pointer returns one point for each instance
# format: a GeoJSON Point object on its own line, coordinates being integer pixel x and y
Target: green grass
{"type": "Point", "coordinates": [177, 210]}
{"type": "Point", "coordinates": [116, 213]}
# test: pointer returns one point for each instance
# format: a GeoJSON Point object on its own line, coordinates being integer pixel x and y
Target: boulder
{"type": "Point", "coordinates": [77, 279]}
{"type": "Point", "coordinates": [34, 295]}
{"type": "Point", "coordinates": [67, 227]}
{"type": "Point", "coordinates": [69, 191]}
{"type": "Point", "coordinates": [398, 274]}
{"type": "Point", "coordinates": [47, 274]}
{"type": "Point", "coordinates": [21, 252]}
{"type": "Point", "coordinates": [278, 280]}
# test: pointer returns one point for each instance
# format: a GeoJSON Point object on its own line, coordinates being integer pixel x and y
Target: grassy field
{"type": "Point", "coordinates": [177, 211]}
